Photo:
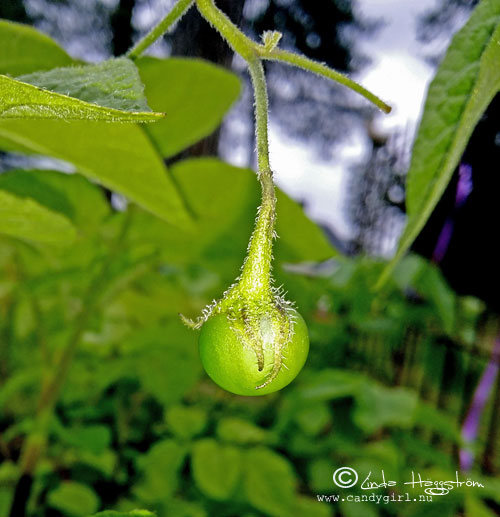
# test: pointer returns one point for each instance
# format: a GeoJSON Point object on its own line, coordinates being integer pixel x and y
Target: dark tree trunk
{"type": "Point", "coordinates": [14, 10]}
{"type": "Point", "coordinates": [121, 25]}
{"type": "Point", "coordinates": [194, 37]}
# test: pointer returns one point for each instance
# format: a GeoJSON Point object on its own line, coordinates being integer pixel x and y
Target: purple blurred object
{"type": "Point", "coordinates": [486, 383]}
{"type": "Point", "coordinates": [443, 241]}
{"type": "Point", "coordinates": [464, 188]}
{"type": "Point", "coordinates": [464, 185]}
{"type": "Point", "coordinates": [483, 391]}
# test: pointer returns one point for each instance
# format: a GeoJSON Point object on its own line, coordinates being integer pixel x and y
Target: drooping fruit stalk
{"type": "Point", "coordinates": [253, 341]}
{"type": "Point", "coordinates": [256, 316]}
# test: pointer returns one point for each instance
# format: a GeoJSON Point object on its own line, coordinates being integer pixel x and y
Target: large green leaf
{"type": "Point", "coordinates": [93, 438]}
{"type": "Point", "coordinates": [224, 200]}
{"type": "Point", "coordinates": [110, 91]}
{"type": "Point", "coordinates": [431, 417]}
{"type": "Point", "coordinates": [313, 418]}
{"type": "Point", "coordinates": [241, 432]}
{"type": "Point", "coordinates": [72, 195]}
{"type": "Point", "coordinates": [159, 468]}
{"type": "Point", "coordinates": [179, 506]}
{"type": "Point", "coordinates": [208, 182]}
{"type": "Point", "coordinates": [300, 239]}
{"type": "Point", "coordinates": [114, 83]}
{"type": "Point", "coordinates": [466, 82]}
{"type": "Point", "coordinates": [475, 507]}
{"type": "Point", "coordinates": [165, 360]}
{"type": "Point", "coordinates": [216, 468]}
{"type": "Point", "coordinates": [120, 157]}
{"type": "Point", "coordinates": [185, 422]}
{"type": "Point", "coordinates": [378, 406]}
{"type": "Point", "coordinates": [30, 184]}
{"type": "Point", "coordinates": [25, 50]}
{"type": "Point", "coordinates": [329, 384]}
{"type": "Point", "coordinates": [6, 496]}
{"type": "Point", "coordinates": [355, 509]}
{"type": "Point", "coordinates": [309, 507]}
{"type": "Point", "coordinates": [269, 482]}
{"type": "Point", "coordinates": [434, 287]}
{"type": "Point", "coordinates": [73, 499]}
{"type": "Point", "coordinates": [26, 219]}
{"type": "Point", "coordinates": [194, 94]}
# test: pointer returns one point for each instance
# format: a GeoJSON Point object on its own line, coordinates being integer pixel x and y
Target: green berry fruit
{"type": "Point", "coordinates": [234, 365]}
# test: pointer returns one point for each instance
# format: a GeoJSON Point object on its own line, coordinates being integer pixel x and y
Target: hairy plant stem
{"type": "Point", "coordinates": [247, 48]}
{"type": "Point", "coordinates": [34, 444]}
{"type": "Point", "coordinates": [322, 70]}
{"type": "Point", "coordinates": [256, 274]}
{"type": "Point", "coordinates": [175, 14]}
{"type": "Point", "coordinates": [255, 279]}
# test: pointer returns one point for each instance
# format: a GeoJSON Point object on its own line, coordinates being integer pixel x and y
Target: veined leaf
{"type": "Point", "coordinates": [81, 201]}
{"type": "Point", "coordinates": [378, 406]}
{"type": "Point", "coordinates": [269, 482]}
{"type": "Point", "coordinates": [224, 222]}
{"type": "Point", "coordinates": [24, 50]}
{"type": "Point", "coordinates": [109, 91]}
{"type": "Point", "coordinates": [216, 468]}
{"type": "Point", "coordinates": [466, 82]}
{"type": "Point", "coordinates": [118, 156]}
{"type": "Point", "coordinates": [194, 94]}
{"type": "Point", "coordinates": [160, 471]}
{"type": "Point", "coordinates": [30, 184]}
{"type": "Point", "coordinates": [73, 499]}
{"type": "Point", "coordinates": [184, 421]}
{"type": "Point", "coordinates": [114, 83]}
{"type": "Point", "coordinates": [26, 219]}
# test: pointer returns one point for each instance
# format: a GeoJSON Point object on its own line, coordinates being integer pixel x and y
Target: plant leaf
{"type": "Point", "coordinates": [240, 431]}
{"type": "Point", "coordinates": [207, 181]}
{"type": "Point", "coordinates": [308, 507]}
{"type": "Point", "coordinates": [194, 94]}
{"type": "Point", "coordinates": [25, 50]}
{"type": "Point", "coordinates": [466, 82]}
{"type": "Point", "coordinates": [72, 195]}
{"type": "Point", "coordinates": [73, 499]}
{"type": "Point", "coordinates": [30, 184]}
{"type": "Point", "coordinates": [160, 466]}
{"type": "Point", "coordinates": [110, 91]}
{"type": "Point", "coordinates": [119, 156]}
{"type": "Point", "coordinates": [185, 422]}
{"type": "Point", "coordinates": [26, 219]}
{"type": "Point", "coordinates": [378, 406]}
{"type": "Point", "coordinates": [224, 222]}
{"type": "Point", "coordinates": [165, 360]}
{"type": "Point", "coordinates": [93, 438]}
{"type": "Point", "coordinates": [330, 384]}
{"type": "Point", "coordinates": [269, 482]}
{"type": "Point", "coordinates": [216, 468]}
{"type": "Point", "coordinates": [114, 83]}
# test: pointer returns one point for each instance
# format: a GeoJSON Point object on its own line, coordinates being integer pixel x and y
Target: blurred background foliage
{"type": "Point", "coordinates": [390, 377]}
